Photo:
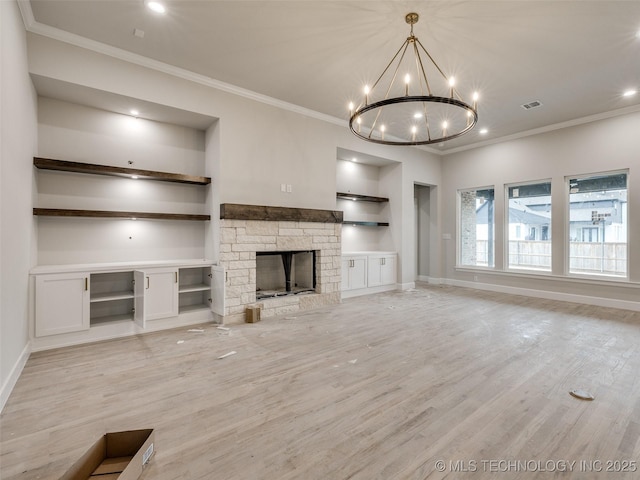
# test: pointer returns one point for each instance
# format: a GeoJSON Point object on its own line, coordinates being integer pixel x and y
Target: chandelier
{"type": "Point", "coordinates": [408, 112]}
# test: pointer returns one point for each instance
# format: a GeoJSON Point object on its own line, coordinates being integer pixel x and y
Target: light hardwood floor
{"type": "Point", "coordinates": [379, 387]}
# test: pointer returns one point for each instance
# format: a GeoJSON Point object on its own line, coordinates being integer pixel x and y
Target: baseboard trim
{"type": "Point", "coordinates": [548, 295]}
{"type": "Point", "coordinates": [406, 286]}
{"type": "Point", "coordinates": [16, 371]}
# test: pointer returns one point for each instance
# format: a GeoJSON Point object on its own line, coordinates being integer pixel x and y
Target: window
{"type": "Point", "coordinates": [476, 232]}
{"type": "Point", "coordinates": [529, 229]}
{"type": "Point", "coordinates": [598, 225]}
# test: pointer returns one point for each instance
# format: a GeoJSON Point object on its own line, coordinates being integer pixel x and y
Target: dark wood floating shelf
{"type": "Point", "coordinates": [79, 167]}
{"type": "Point", "coordinates": [58, 212]}
{"type": "Point", "coordinates": [366, 224]}
{"type": "Point", "coordinates": [234, 211]}
{"type": "Point", "coordinates": [362, 198]}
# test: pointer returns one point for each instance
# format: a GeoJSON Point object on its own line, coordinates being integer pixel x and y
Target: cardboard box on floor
{"type": "Point", "coordinates": [120, 455]}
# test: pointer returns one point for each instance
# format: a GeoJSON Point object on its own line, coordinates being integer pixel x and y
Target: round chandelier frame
{"type": "Point", "coordinates": [412, 119]}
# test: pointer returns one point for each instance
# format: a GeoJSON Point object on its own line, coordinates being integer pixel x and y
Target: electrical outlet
{"type": "Point", "coordinates": [283, 187]}
{"type": "Point", "coordinates": [289, 188]}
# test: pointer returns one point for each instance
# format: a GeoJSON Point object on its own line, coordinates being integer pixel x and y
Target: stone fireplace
{"type": "Point", "coordinates": [248, 232]}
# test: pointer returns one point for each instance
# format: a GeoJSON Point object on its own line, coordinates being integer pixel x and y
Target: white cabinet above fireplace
{"type": "Point", "coordinates": [368, 272]}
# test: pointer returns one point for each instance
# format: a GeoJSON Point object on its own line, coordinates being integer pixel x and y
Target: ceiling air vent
{"type": "Point", "coordinates": [530, 105]}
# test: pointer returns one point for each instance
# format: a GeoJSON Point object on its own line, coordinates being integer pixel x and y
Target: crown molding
{"type": "Point", "coordinates": [548, 128]}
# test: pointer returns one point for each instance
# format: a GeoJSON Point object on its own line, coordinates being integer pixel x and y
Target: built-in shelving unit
{"type": "Point", "coordinates": [194, 291]}
{"type": "Point", "coordinates": [94, 169]}
{"type": "Point", "coordinates": [61, 212]}
{"type": "Point", "coordinates": [111, 298]}
{"type": "Point", "coordinates": [90, 168]}
{"type": "Point", "coordinates": [89, 302]}
{"type": "Point", "coordinates": [362, 198]}
{"type": "Point", "coordinates": [366, 224]}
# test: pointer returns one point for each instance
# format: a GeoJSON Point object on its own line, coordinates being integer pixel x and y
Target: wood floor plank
{"type": "Point", "coordinates": [378, 387]}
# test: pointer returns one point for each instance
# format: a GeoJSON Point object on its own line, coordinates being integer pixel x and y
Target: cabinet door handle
{"type": "Point", "coordinates": [148, 283]}
{"type": "Point", "coordinates": [176, 277]}
{"type": "Point", "coordinates": [86, 283]}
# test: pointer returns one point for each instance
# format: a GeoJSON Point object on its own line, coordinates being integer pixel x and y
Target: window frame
{"type": "Point", "coordinates": [567, 224]}
{"type": "Point", "coordinates": [507, 265]}
{"type": "Point", "coordinates": [459, 250]}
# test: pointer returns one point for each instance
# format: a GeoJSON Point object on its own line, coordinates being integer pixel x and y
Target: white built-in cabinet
{"type": "Point", "coordinates": [158, 296]}
{"type": "Point", "coordinates": [354, 272]}
{"type": "Point", "coordinates": [381, 269]}
{"type": "Point", "coordinates": [106, 301]}
{"type": "Point", "coordinates": [368, 272]}
{"type": "Point", "coordinates": [62, 303]}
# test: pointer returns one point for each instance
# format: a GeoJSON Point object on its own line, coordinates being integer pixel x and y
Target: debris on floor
{"type": "Point", "coordinates": [581, 394]}
{"type": "Point", "coordinates": [196, 330]}
{"type": "Point", "coordinates": [180, 342]}
{"type": "Point", "coordinates": [232, 352]}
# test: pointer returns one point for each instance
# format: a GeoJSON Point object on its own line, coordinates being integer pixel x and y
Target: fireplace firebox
{"type": "Point", "coordinates": [285, 273]}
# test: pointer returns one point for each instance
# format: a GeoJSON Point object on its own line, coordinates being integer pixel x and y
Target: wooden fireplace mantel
{"type": "Point", "coordinates": [235, 211]}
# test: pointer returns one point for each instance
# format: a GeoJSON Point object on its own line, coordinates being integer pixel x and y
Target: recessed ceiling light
{"type": "Point", "coordinates": [483, 131]}
{"type": "Point", "coordinates": [354, 160]}
{"type": "Point", "coordinates": [156, 6]}
{"type": "Point", "coordinates": [134, 112]}
{"type": "Point", "coordinates": [629, 93]}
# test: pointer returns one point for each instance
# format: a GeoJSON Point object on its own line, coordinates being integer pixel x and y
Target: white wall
{"type": "Point", "coordinates": [600, 146]}
{"type": "Point", "coordinates": [18, 142]}
{"type": "Point", "coordinates": [73, 132]}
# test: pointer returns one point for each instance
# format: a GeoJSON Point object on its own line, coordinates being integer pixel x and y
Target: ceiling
{"type": "Point", "coordinates": [575, 57]}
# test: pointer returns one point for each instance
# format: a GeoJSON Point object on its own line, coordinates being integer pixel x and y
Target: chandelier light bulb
{"type": "Point", "coordinates": [417, 115]}
{"type": "Point", "coordinates": [382, 129]}
{"type": "Point", "coordinates": [351, 106]}
{"type": "Point", "coordinates": [414, 129]}
{"type": "Point", "coordinates": [452, 81]}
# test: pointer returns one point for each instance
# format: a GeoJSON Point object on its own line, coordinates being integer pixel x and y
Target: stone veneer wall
{"type": "Point", "coordinates": [241, 239]}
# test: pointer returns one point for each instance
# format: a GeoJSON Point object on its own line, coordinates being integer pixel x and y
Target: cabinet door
{"type": "Point", "coordinates": [62, 303]}
{"type": "Point", "coordinates": [354, 273]}
{"type": "Point", "coordinates": [388, 275]}
{"type": "Point", "coordinates": [218, 281]}
{"type": "Point", "coordinates": [358, 273]}
{"type": "Point", "coordinates": [374, 272]}
{"type": "Point", "coordinates": [157, 294]}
